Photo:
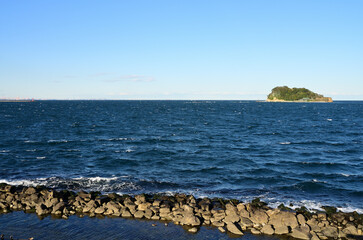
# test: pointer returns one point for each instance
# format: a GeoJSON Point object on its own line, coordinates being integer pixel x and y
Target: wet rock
{"type": "Point", "coordinates": [233, 228]}
{"type": "Point", "coordinates": [267, 229]}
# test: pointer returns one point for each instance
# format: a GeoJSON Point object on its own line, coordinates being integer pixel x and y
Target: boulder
{"type": "Point", "coordinates": [41, 209]}
{"type": "Point", "coordinates": [190, 219]}
{"type": "Point", "coordinates": [283, 218]}
{"type": "Point", "coordinates": [301, 219]}
{"type": "Point", "coordinates": [193, 230]}
{"type": "Point", "coordinates": [259, 217]}
{"type": "Point", "coordinates": [100, 210]}
{"type": "Point", "coordinates": [139, 214]}
{"type": "Point", "coordinates": [281, 230]}
{"type": "Point", "coordinates": [246, 222]}
{"type": "Point", "coordinates": [330, 232]}
{"type": "Point", "coordinates": [126, 213]}
{"type": "Point", "coordinates": [350, 229]}
{"type": "Point", "coordinates": [267, 229]}
{"type": "Point", "coordinates": [30, 191]}
{"type": "Point", "coordinates": [143, 206]}
{"type": "Point", "coordinates": [301, 233]}
{"type": "Point", "coordinates": [233, 228]}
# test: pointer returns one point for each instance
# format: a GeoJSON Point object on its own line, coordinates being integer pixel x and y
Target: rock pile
{"type": "Point", "coordinates": [226, 215]}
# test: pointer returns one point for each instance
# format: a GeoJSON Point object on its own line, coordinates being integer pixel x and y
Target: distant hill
{"type": "Point", "coordinates": [286, 94]}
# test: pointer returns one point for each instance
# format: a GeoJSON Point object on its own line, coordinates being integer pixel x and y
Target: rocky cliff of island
{"type": "Point", "coordinates": [286, 94]}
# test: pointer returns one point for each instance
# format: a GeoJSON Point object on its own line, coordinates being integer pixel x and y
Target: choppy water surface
{"type": "Point", "coordinates": [299, 153]}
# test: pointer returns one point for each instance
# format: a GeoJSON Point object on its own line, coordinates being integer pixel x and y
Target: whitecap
{"type": "Point", "coordinates": [41, 157]}
{"type": "Point", "coordinates": [129, 150]}
{"type": "Point", "coordinates": [329, 119]}
{"type": "Point", "coordinates": [4, 151]}
{"type": "Point", "coordinates": [285, 143]}
{"type": "Point", "coordinates": [57, 141]}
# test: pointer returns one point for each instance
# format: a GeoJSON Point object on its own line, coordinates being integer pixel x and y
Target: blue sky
{"type": "Point", "coordinates": [179, 49]}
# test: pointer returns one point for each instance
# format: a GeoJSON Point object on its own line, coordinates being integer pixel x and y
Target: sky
{"type": "Point", "coordinates": [199, 49]}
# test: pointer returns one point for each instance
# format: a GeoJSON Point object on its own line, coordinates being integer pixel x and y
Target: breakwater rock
{"type": "Point", "coordinates": [226, 215]}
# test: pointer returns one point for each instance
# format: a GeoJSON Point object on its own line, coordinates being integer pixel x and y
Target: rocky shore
{"type": "Point", "coordinates": [226, 215]}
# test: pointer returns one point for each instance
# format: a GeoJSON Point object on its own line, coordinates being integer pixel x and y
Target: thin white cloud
{"type": "Point", "coordinates": [131, 78]}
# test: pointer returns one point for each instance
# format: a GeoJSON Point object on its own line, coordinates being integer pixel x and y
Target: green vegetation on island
{"type": "Point", "coordinates": [286, 94]}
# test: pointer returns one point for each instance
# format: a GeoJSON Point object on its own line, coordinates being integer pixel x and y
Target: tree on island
{"type": "Point", "coordinates": [295, 94]}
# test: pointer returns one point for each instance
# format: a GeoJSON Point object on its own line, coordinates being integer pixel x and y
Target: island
{"type": "Point", "coordinates": [286, 94]}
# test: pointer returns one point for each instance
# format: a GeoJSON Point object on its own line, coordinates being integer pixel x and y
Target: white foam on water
{"type": "Point", "coordinates": [129, 150]}
{"type": "Point", "coordinates": [350, 209]}
{"type": "Point", "coordinates": [31, 150]}
{"type": "Point", "coordinates": [96, 179]}
{"type": "Point", "coordinates": [41, 157]}
{"type": "Point", "coordinates": [57, 141]}
{"type": "Point", "coordinates": [4, 151]}
{"type": "Point", "coordinates": [345, 174]}
{"type": "Point", "coordinates": [329, 119]}
{"type": "Point", "coordinates": [285, 143]}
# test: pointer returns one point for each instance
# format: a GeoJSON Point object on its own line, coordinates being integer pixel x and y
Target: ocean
{"type": "Point", "coordinates": [307, 154]}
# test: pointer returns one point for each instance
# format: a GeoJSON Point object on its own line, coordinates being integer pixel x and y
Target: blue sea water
{"type": "Point", "coordinates": [294, 153]}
